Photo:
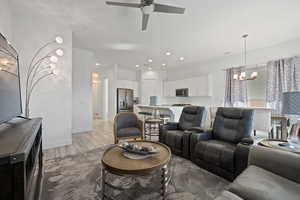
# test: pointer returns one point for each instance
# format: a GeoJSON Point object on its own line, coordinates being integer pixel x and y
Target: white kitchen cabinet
{"type": "Point", "coordinates": [170, 88]}
{"type": "Point", "coordinates": [150, 88]}
{"type": "Point", "coordinates": [198, 86]}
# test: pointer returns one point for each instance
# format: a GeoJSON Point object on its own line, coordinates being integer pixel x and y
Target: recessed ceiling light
{"type": "Point", "coordinates": [168, 53]}
{"type": "Point", "coordinates": [164, 64]}
{"type": "Point", "coordinates": [98, 64]}
{"type": "Point", "coordinates": [150, 60]}
{"type": "Point", "coordinates": [137, 66]}
{"type": "Point", "coordinates": [122, 46]}
{"type": "Point", "coordinates": [181, 58]}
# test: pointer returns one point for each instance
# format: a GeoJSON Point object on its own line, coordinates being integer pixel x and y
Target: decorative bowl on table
{"type": "Point", "coordinates": [136, 149]}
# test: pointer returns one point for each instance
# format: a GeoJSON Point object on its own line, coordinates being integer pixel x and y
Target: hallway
{"type": "Point", "coordinates": [84, 142]}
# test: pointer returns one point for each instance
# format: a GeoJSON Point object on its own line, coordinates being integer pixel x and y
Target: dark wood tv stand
{"type": "Point", "coordinates": [21, 159]}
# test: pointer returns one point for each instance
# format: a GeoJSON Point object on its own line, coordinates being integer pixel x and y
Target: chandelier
{"type": "Point", "coordinates": [242, 76]}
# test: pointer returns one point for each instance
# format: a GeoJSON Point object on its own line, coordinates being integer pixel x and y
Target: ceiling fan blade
{"type": "Point", "coordinates": [145, 21]}
{"type": "Point", "coordinates": [132, 5]}
{"type": "Point", "coordinates": [168, 9]}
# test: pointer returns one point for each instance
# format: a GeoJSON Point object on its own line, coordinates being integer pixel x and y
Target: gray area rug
{"type": "Point", "coordinates": [79, 178]}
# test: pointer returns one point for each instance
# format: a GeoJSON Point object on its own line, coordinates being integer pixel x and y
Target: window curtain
{"type": "Point", "coordinates": [282, 76]}
{"type": "Point", "coordinates": [236, 94]}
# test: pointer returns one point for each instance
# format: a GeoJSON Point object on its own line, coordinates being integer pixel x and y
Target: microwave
{"type": "Point", "coordinates": [182, 92]}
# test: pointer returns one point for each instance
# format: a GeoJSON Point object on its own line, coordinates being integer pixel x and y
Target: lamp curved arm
{"type": "Point", "coordinates": [32, 67]}
{"type": "Point", "coordinates": [37, 70]}
{"type": "Point", "coordinates": [35, 84]}
{"type": "Point", "coordinates": [3, 70]}
{"type": "Point", "coordinates": [38, 52]}
{"type": "Point", "coordinates": [39, 61]}
{"type": "Point", "coordinates": [36, 65]}
{"type": "Point", "coordinates": [8, 53]}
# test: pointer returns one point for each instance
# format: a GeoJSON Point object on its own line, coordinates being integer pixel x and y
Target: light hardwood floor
{"type": "Point", "coordinates": [82, 142]}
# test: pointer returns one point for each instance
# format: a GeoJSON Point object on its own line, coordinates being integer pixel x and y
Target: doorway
{"type": "Point", "coordinates": [96, 100]}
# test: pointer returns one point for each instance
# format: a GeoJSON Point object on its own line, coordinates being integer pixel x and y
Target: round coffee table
{"type": "Point", "coordinates": [274, 143]}
{"type": "Point", "coordinates": [113, 161]}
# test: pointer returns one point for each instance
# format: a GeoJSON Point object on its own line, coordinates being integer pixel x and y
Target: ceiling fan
{"type": "Point", "coordinates": [147, 7]}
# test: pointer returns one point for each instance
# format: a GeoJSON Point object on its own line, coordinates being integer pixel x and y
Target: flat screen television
{"type": "Point", "coordinates": [10, 92]}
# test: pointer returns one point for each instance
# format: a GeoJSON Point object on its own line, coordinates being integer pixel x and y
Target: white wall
{"type": "Point", "coordinates": [5, 19]}
{"type": "Point", "coordinates": [108, 77]}
{"type": "Point", "coordinates": [126, 74]}
{"type": "Point", "coordinates": [83, 63]}
{"type": "Point", "coordinates": [52, 99]}
{"type": "Point", "coordinates": [127, 78]}
{"type": "Point", "coordinates": [151, 84]}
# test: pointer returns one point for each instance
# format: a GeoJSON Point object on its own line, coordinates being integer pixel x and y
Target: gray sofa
{"type": "Point", "coordinates": [271, 175]}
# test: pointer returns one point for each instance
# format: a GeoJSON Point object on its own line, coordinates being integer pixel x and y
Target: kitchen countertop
{"type": "Point", "coordinates": [174, 111]}
{"type": "Point", "coordinates": [160, 106]}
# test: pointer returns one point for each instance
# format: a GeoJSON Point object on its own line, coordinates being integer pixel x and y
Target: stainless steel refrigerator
{"type": "Point", "coordinates": [124, 100]}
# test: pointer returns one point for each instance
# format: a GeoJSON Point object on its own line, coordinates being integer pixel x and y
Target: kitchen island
{"type": "Point", "coordinates": [173, 111]}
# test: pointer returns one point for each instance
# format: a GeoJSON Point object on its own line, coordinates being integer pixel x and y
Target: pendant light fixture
{"type": "Point", "coordinates": [242, 76]}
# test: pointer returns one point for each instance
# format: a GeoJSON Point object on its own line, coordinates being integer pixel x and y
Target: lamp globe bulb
{"type": "Point", "coordinates": [59, 52]}
{"type": "Point", "coordinates": [59, 40]}
{"type": "Point", "coordinates": [54, 59]}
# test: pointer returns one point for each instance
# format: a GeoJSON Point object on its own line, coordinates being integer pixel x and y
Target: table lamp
{"type": "Point", "coordinates": [291, 106]}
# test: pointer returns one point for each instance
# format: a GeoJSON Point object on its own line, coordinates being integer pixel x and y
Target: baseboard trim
{"type": "Point", "coordinates": [56, 144]}
{"type": "Point", "coordinates": [82, 132]}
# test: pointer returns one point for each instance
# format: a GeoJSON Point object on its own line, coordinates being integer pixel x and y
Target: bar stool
{"type": "Point", "coordinates": [152, 127]}
{"type": "Point", "coordinates": [145, 114]}
{"type": "Point", "coordinates": [165, 118]}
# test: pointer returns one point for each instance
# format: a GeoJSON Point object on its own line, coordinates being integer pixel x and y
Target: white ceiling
{"type": "Point", "coordinates": [207, 29]}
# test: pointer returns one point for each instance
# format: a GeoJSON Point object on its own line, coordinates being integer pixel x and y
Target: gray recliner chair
{"type": "Point", "coordinates": [271, 175]}
{"type": "Point", "coordinates": [224, 149]}
{"type": "Point", "coordinates": [177, 135]}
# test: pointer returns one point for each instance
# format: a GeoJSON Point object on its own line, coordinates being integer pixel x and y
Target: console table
{"type": "Point", "coordinates": [21, 159]}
